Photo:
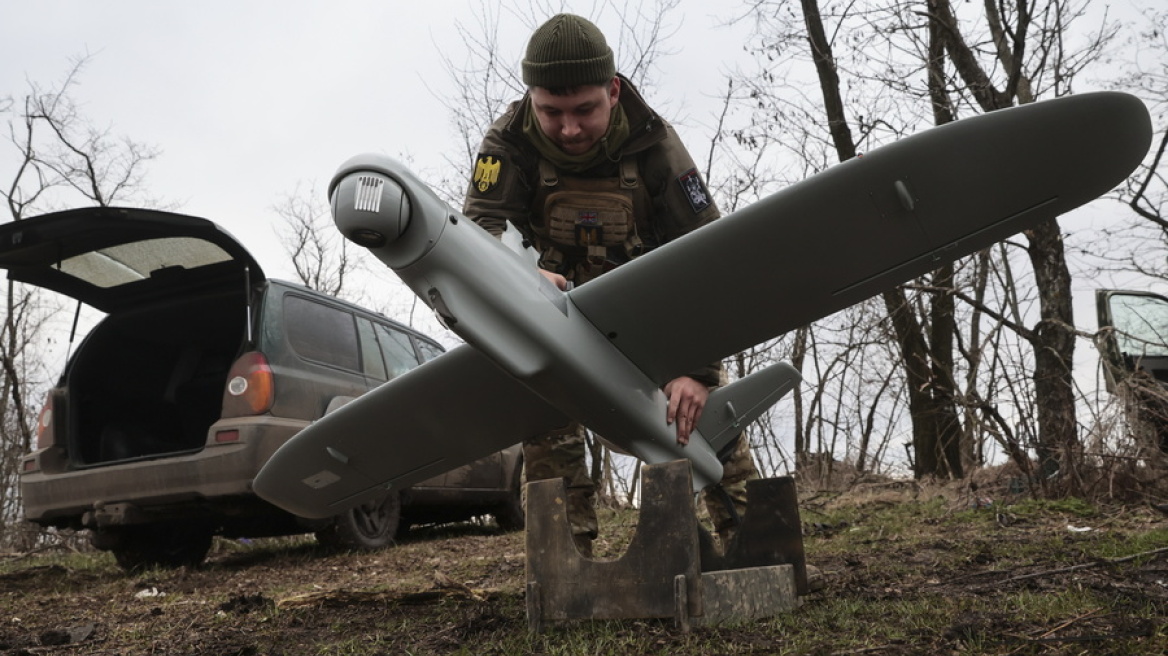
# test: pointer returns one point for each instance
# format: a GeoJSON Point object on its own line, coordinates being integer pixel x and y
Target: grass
{"type": "Point", "coordinates": [920, 576]}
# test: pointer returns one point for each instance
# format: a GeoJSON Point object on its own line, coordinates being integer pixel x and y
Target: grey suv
{"type": "Point", "coordinates": [199, 371]}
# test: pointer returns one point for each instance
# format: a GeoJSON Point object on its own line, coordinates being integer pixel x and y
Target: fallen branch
{"type": "Point", "coordinates": [1075, 568]}
{"type": "Point", "coordinates": [1069, 622]}
{"type": "Point", "coordinates": [17, 556]}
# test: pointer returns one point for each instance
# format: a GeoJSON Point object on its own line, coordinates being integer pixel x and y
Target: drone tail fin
{"type": "Point", "coordinates": [731, 408]}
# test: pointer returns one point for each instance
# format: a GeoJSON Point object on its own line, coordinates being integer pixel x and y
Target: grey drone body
{"type": "Point", "coordinates": [537, 358]}
{"type": "Point", "coordinates": [495, 299]}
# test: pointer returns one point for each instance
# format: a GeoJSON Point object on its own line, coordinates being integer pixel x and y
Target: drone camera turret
{"type": "Point", "coordinates": [370, 209]}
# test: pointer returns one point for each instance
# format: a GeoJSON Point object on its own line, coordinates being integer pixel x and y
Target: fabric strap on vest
{"type": "Point", "coordinates": [628, 173]}
{"type": "Point", "coordinates": [585, 217]}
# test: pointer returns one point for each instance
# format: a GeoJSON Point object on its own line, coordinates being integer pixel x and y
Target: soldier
{"type": "Point", "coordinates": [592, 177]}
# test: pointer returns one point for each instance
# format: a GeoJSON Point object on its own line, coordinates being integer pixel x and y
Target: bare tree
{"type": "Point", "coordinates": [883, 71]}
{"type": "Point", "coordinates": [1141, 400]}
{"type": "Point", "coordinates": [63, 159]}
{"type": "Point", "coordinates": [1146, 193]}
{"type": "Point", "coordinates": [320, 256]}
{"type": "Point", "coordinates": [1032, 52]}
{"type": "Point", "coordinates": [924, 338]}
{"type": "Point", "coordinates": [66, 160]}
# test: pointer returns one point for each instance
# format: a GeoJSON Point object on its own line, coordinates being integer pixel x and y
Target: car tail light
{"type": "Point", "coordinates": [44, 434]}
{"type": "Point", "coordinates": [250, 386]}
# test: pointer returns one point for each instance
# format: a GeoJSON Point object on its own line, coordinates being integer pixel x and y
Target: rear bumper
{"type": "Point", "coordinates": [158, 488]}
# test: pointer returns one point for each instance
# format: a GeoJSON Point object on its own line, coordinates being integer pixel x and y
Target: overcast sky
{"type": "Point", "coordinates": [247, 100]}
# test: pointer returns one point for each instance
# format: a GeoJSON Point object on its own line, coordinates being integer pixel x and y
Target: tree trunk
{"type": "Point", "coordinates": [798, 356]}
{"type": "Point", "coordinates": [936, 427]}
{"type": "Point", "coordinates": [1054, 350]}
{"type": "Point", "coordinates": [1053, 339]}
{"type": "Point", "coordinates": [942, 326]}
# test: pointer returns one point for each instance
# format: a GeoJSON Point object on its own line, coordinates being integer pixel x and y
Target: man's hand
{"type": "Point", "coordinates": [687, 397]}
{"type": "Point", "coordinates": [559, 281]}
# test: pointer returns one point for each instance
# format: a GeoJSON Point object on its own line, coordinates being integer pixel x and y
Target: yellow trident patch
{"type": "Point", "coordinates": [486, 173]}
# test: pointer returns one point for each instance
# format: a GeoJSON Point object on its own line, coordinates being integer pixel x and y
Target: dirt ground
{"type": "Point", "coordinates": [903, 577]}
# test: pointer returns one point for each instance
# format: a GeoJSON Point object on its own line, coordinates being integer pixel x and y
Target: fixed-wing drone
{"type": "Point", "coordinates": [536, 358]}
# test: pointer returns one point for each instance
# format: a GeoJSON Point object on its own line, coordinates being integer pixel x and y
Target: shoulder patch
{"type": "Point", "coordinates": [486, 172]}
{"type": "Point", "coordinates": [694, 190]}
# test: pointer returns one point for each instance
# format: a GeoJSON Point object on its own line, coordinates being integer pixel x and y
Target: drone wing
{"type": "Point", "coordinates": [862, 227]}
{"type": "Point", "coordinates": [452, 410]}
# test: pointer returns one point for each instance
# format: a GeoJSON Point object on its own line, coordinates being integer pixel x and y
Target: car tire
{"type": "Point", "coordinates": [138, 548]}
{"type": "Point", "coordinates": [371, 525]}
{"type": "Point", "coordinates": [509, 515]}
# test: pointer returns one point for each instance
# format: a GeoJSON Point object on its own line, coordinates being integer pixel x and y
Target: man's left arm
{"type": "Point", "coordinates": [682, 203]}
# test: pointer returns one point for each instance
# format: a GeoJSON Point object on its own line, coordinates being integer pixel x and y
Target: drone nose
{"type": "Point", "coordinates": [370, 209]}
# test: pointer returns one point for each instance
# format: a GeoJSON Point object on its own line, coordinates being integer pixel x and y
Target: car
{"type": "Point", "coordinates": [1134, 326]}
{"type": "Point", "coordinates": [1133, 344]}
{"type": "Point", "coordinates": [201, 368]}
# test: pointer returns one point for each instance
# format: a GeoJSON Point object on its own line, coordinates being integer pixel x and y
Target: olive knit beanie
{"type": "Point", "coordinates": [567, 51]}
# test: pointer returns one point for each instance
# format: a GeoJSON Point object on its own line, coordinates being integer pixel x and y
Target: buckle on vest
{"type": "Point", "coordinates": [589, 234]}
{"type": "Point", "coordinates": [634, 247]}
{"type": "Point", "coordinates": [591, 268]}
{"type": "Point", "coordinates": [597, 255]}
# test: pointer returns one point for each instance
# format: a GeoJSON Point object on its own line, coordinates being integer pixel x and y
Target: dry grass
{"type": "Point", "coordinates": [912, 568]}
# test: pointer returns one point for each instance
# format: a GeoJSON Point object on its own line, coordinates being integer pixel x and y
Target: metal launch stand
{"type": "Point", "coordinates": [671, 568]}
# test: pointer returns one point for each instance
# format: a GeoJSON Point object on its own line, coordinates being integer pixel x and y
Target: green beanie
{"type": "Point", "coordinates": [567, 51]}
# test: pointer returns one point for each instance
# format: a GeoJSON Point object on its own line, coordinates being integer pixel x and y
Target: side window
{"type": "Point", "coordinates": [321, 333]}
{"type": "Point", "coordinates": [429, 349]}
{"type": "Point", "coordinates": [1141, 324]}
{"type": "Point", "coordinates": [370, 353]}
{"type": "Point", "coordinates": [398, 351]}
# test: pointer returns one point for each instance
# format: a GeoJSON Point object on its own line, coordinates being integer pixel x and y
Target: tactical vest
{"type": "Point", "coordinates": [586, 226]}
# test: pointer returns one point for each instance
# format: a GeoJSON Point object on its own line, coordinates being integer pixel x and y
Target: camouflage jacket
{"type": "Point", "coordinates": [679, 200]}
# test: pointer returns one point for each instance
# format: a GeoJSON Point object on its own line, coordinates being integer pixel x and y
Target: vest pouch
{"type": "Point", "coordinates": [588, 218]}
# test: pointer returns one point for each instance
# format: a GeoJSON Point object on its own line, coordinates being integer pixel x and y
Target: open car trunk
{"type": "Point", "coordinates": [149, 378]}
{"type": "Point", "coordinates": [150, 382]}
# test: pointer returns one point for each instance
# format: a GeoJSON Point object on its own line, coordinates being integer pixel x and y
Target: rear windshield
{"type": "Point", "coordinates": [127, 263]}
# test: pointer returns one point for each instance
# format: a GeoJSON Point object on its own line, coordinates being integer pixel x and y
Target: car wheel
{"type": "Point", "coordinates": [157, 545]}
{"type": "Point", "coordinates": [509, 515]}
{"type": "Point", "coordinates": [371, 525]}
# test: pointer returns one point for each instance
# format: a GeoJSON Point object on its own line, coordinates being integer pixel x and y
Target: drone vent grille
{"type": "Point", "coordinates": [368, 194]}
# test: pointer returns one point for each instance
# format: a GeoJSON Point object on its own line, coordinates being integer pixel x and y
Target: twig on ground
{"type": "Point", "coordinates": [864, 650]}
{"type": "Point", "coordinates": [21, 555]}
{"type": "Point", "coordinates": [1069, 622]}
{"type": "Point", "coordinates": [1075, 568]}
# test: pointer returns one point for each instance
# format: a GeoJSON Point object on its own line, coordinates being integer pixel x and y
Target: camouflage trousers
{"type": "Point", "coordinates": [737, 469]}
{"type": "Point", "coordinates": [561, 455]}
